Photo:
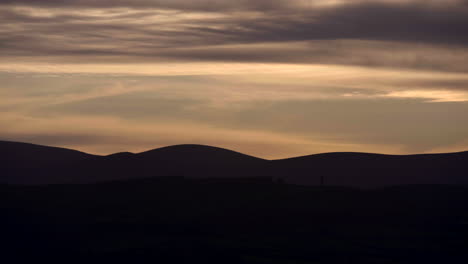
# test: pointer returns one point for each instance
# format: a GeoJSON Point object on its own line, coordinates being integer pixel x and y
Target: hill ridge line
{"type": "Point", "coordinates": [238, 152]}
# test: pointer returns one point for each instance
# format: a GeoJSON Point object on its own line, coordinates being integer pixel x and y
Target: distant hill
{"type": "Point", "coordinates": [17, 151]}
{"type": "Point", "coordinates": [372, 170]}
{"type": "Point", "coordinates": [23, 163]}
{"type": "Point", "coordinates": [35, 164]}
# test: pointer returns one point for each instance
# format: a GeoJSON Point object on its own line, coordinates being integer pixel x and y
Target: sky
{"type": "Point", "coordinates": [269, 78]}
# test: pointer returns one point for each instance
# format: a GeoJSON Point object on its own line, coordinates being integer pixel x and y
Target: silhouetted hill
{"type": "Point", "coordinates": [30, 163]}
{"type": "Point", "coordinates": [36, 153]}
{"type": "Point", "coordinates": [370, 170]}
{"type": "Point", "coordinates": [200, 161]}
{"type": "Point", "coordinates": [201, 204]}
{"type": "Point", "coordinates": [197, 154]}
{"type": "Point", "coordinates": [121, 155]}
{"type": "Point", "coordinates": [33, 164]}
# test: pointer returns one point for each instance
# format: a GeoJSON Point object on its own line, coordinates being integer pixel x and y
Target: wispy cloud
{"type": "Point", "coordinates": [33, 29]}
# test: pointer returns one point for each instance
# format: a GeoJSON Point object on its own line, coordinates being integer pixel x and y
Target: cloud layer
{"type": "Point", "coordinates": [159, 29]}
{"type": "Point", "coordinates": [273, 78]}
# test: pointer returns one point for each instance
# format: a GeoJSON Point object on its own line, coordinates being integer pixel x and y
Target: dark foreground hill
{"type": "Point", "coordinates": [235, 221]}
{"type": "Point", "coordinates": [200, 204]}
{"type": "Point", "coordinates": [23, 163]}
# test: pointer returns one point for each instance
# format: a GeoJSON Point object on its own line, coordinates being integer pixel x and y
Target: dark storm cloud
{"type": "Point", "coordinates": [369, 21]}
{"type": "Point", "coordinates": [145, 32]}
{"type": "Point", "coordinates": [197, 5]}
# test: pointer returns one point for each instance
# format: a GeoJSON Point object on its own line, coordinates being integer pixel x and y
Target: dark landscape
{"type": "Point", "coordinates": [220, 131]}
{"type": "Point", "coordinates": [199, 204]}
{"type": "Point", "coordinates": [34, 164]}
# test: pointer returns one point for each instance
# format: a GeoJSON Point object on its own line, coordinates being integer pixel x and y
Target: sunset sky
{"type": "Point", "coordinates": [270, 78]}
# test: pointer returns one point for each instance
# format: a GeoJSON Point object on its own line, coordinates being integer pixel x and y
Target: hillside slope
{"type": "Point", "coordinates": [32, 164]}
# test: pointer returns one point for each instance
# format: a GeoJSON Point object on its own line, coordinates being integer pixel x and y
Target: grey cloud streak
{"type": "Point", "coordinates": [126, 34]}
{"type": "Point", "coordinates": [220, 4]}
{"type": "Point", "coordinates": [373, 22]}
{"type": "Point", "coordinates": [194, 5]}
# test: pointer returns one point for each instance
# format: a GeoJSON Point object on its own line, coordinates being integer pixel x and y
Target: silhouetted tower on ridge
{"type": "Point", "coordinates": [322, 180]}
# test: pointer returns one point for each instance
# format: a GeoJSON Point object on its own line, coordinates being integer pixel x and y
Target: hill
{"type": "Point", "coordinates": [374, 170]}
{"type": "Point", "coordinates": [35, 164]}
{"type": "Point", "coordinates": [24, 163]}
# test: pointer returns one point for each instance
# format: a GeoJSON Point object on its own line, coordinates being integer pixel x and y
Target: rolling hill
{"type": "Point", "coordinates": [134, 207]}
{"type": "Point", "coordinates": [24, 163]}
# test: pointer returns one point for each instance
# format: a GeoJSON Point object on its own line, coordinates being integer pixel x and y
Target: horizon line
{"type": "Point", "coordinates": [221, 148]}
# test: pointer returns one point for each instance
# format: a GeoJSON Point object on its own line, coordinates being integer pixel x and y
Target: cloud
{"type": "Point", "coordinates": [432, 95]}
{"type": "Point", "coordinates": [220, 83]}
{"type": "Point", "coordinates": [272, 78]}
{"type": "Point", "coordinates": [222, 4]}
{"type": "Point", "coordinates": [197, 5]}
{"type": "Point", "coordinates": [421, 33]}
